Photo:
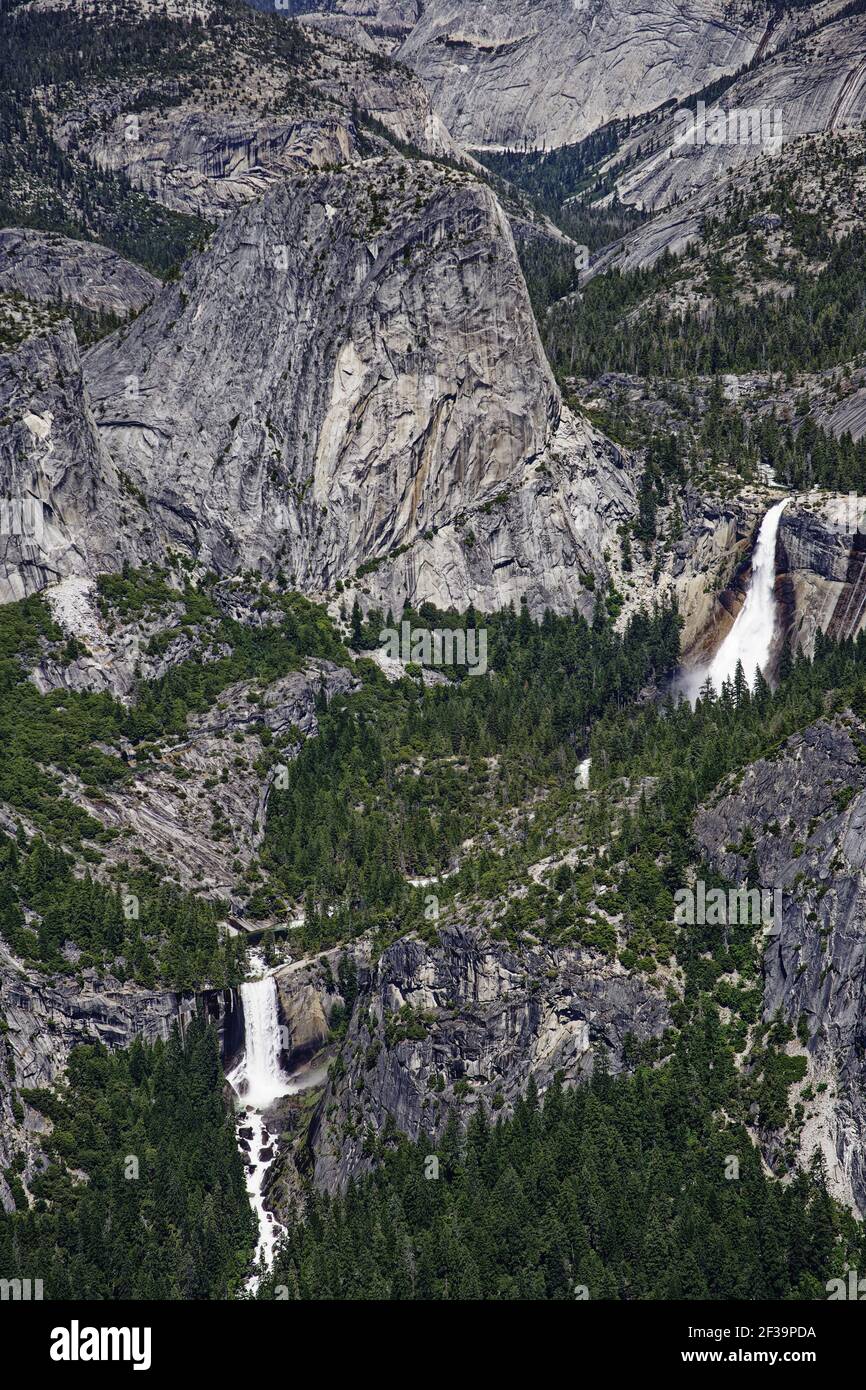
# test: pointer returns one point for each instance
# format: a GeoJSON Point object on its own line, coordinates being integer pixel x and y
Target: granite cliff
{"type": "Point", "coordinates": [549, 75]}
{"type": "Point", "coordinates": [804, 811]}
{"type": "Point", "coordinates": [368, 397]}
{"type": "Point", "coordinates": [63, 510]}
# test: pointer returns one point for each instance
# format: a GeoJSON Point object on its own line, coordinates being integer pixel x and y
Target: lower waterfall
{"type": "Point", "coordinates": [259, 1075]}
{"type": "Point", "coordinates": [751, 637]}
{"type": "Point", "coordinates": [259, 1080]}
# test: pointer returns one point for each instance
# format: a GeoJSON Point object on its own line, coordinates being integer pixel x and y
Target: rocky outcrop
{"type": "Point", "coordinates": [350, 376]}
{"type": "Point", "coordinates": [849, 415]}
{"type": "Point", "coordinates": [45, 1018]}
{"type": "Point", "coordinates": [554, 528]}
{"type": "Point", "coordinates": [53, 269]}
{"type": "Point", "coordinates": [814, 85]}
{"type": "Point", "coordinates": [689, 185]}
{"type": "Point", "coordinates": [199, 811]}
{"type": "Point", "coordinates": [285, 101]}
{"type": "Point", "coordinates": [707, 571]}
{"type": "Point", "coordinates": [547, 75]}
{"type": "Point", "coordinates": [466, 1019]}
{"type": "Point", "coordinates": [62, 509]}
{"type": "Point", "coordinates": [351, 365]}
{"type": "Point", "coordinates": [303, 1014]}
{"type": "Point", "coordinates": [806, 811]}
{"type": "Point", "coordinates": [112, 655]}
{"type": "Point", "coordinates": [210, 164]}
{"type": "Point", "coordinates": [388, 92]}
{"type": "Point", "coordinates": [822, 567]}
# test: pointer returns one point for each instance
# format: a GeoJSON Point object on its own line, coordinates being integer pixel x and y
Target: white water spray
{"type": "Point", "coordinates": [254, 1131]}
{"type": "Point", "coordinates": [259, 1080]}
{"type": "Point", "coordinates": [751, 637]}
{"type": "Point", "coordinates": [259, 1077]}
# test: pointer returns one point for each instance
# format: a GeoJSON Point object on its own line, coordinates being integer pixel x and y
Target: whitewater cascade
{"type": "Point", "coordinates": [260, 1074]}
{"type": "Point", "coordinates": [751, 636]}
{"type": "Point", "coordinates": [259, 1080]}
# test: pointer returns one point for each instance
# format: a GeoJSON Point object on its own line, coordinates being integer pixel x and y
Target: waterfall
{"type": "Point", "coordinates": [253, 1131]}
{"type": "Point", "coordinates": [259, 1080]}
{"type": "Point", "coordinates": [751, 636]}
{"type": "Point", "coordinates": [260, 1074]}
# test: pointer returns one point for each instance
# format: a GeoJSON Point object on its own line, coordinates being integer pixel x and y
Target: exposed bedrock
{"type": "Point", "coordinates": [63, 512]}
{"type": "Point", "coordinates": [53, 269]}
{"type": "Point", "coordinates": [813, 85]}
{"type": "Point", "coordinates": [548, 74]}
{"type": "Point", "coordinates": [469, 1018]}
{"type": "Point", "coordinates": [351, 364]}
{"type": "Point", "coordinates": [806, 810]}
{"type": "Point", "coordinates": [820, 559]}
{"type": "Point", "coordinates": [45, 1020]}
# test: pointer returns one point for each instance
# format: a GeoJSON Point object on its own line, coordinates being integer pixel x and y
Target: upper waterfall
{"type": "Point", "coordinates": [751, 637]}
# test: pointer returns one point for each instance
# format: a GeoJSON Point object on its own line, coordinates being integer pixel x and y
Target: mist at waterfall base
{"type": "Point", "coordinates": [260, 1079]}
{"type": "Point", "coordinates": [750, 639]}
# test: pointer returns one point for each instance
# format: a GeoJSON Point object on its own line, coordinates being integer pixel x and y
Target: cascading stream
{"type": "Point", "coordinates": [259, 1080]}
{"type": "Point", "coordinates": [750, 639]}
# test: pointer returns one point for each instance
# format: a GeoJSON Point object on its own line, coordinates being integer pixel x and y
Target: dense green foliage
{"type": "Point", "coordinates": [624, 1188]}
{"type": "Point", "coordinates": [262, 653]}
{"type": "Point", "coordinates": [689, 749]}
{"type": "Point", "coordinates": [819, 325]}
{"type": "Point", "coordinates": [177, 1226]}
{"type": "Point", "coordinates": [401, 774]}
{"type": "Point", "coordinates": [174, 937]}
{"type": "Point", "coordinates": [552, 176]}
{"type": "Point", "coordinates": [810, 457]}
{"type": "Point", "coordinates": [818, 322]}
{"type": "Point", "coordinates": [61, 730]}
{"type": "Point", "coordinates": [149, 931]}
{"type": "Point", "coordinates": [47, 58]}
{"type": "Point", "coordinates": [565, 184]}
{"type": "Point", "coordinates": [39, 733]}
{"type": "Point", "coordinates": [801, 453]}
{"type": "Point", "coordinates": [620, 1189]}
{"type": "Point", "coordinates": [139, 594]}
{"type": "Point", "coordinates": [716, 443]}
{"type": "Point", "coordinates": [684, 752]}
